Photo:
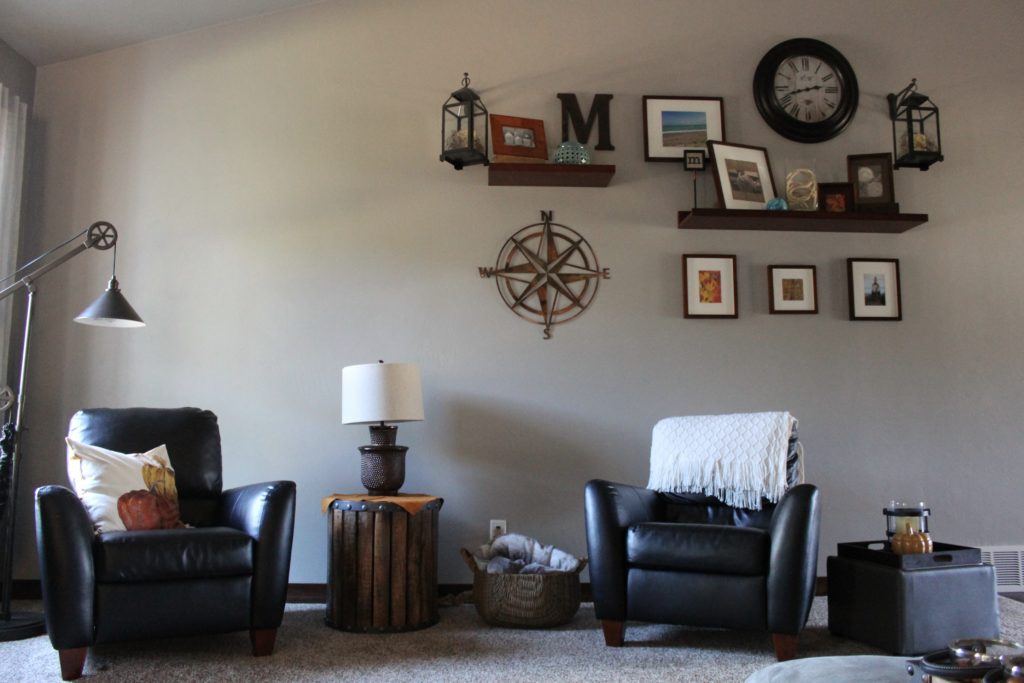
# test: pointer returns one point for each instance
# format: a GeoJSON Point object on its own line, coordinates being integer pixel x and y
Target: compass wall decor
{"type": "Point", "coordinates": [547, 273]}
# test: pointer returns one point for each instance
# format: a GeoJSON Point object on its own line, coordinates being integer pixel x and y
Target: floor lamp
{"type": "Point", "coordinates": [111, 309]}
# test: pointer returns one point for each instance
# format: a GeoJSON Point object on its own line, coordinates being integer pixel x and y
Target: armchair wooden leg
{"type": "Point", "coordinates": [262, 641]}
{"type": "Point", "coordinates": [785, 646]}
{"type": "Point", "coordinates": [614, 632]}
{"type": "Point", "coordinates": [72, 661]}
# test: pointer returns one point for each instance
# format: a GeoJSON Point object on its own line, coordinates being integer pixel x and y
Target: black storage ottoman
{"type": "Point", "coordinates": [911, 612]}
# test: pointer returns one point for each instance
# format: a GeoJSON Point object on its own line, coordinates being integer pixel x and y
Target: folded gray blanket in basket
{"type": "Point", "coordinates": [519, 554]}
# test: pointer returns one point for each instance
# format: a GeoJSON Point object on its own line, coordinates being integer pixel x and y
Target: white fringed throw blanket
{"type": "Point", "coordinates": [739, 459]}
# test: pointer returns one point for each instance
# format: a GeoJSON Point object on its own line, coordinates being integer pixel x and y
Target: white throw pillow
{"type": "Point", "coordinates": [124, 492]}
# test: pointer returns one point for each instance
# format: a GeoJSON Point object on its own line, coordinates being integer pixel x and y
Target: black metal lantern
{"type": "Point", "coordinates": [916, 142]}
{"type": "Point", "coordinates": [464, 139]}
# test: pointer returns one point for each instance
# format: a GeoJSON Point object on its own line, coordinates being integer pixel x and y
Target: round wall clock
{"type": "Point", "coordinates": [805, 90]}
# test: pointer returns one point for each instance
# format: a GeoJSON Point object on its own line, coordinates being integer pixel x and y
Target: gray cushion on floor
{"type": "Point", "coordinates": [856, 669]}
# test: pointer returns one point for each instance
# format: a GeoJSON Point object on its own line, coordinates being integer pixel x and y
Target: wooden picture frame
{"type": "Point", "coordinates": [674, 125]}
{"type": "Point", "coordinates": [871, 177]}
{"type": "Point", "coordinates": [835, 197]}
{"type": "Point", "coordinates": [709, 286]}
{"type": "Point", "coordinates": [792, 289]}
{"type": "Point", "coordinates": [518, 137]}
{"type": "Point", "coordinates": [743, 176]}
{"type": "Point", "coordinates": [874, 288]}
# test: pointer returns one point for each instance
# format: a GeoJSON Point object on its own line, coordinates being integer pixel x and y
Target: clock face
{"type": "Point", "coordinates": [805, 90]}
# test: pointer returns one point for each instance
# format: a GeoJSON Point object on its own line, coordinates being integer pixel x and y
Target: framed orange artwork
{"type": "Point", "coordinates": [709, 286]}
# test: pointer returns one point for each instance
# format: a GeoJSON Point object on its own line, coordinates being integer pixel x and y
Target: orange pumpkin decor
{"type": "Point", "coordinates": [911, 542]}
{"type": "Point", "coordinates": [156, 508]}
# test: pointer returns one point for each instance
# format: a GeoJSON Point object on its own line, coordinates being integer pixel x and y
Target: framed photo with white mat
{"type": "Point", "coordinates": [874, 286]}
{"type": "Point", "coordinates": [743, 177]}
{"type": "Point", "coordinates": [709, 286]}
{"type": "Point", "coordinates": [792, 289]}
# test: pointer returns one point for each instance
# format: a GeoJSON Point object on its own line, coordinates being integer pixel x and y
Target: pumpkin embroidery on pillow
{"type": "Point", "coordinates": [154, 508]}
{"type": "Point", "coordinates": [125, 492]}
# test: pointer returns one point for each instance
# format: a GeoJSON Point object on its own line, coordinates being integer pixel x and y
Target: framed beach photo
{"type": "Point", "coordinates": [874, 286]}
{"type": "Point", "coordinates": [709, 286]}
{"type": "Point", "coordinates": [835, 197]}
{"type": "Point", "coordinates": [871, 177]}
{"type": "Point", "coordinates": [675, 125]}
{"type": "Point", "coordinates": [792, 289]}
{"type": "Point", "coordinates": [518, 137]}
{"type": "Point", "coordinates": [743, 178]}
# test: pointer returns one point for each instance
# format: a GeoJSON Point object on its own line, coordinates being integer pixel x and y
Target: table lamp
{"type": "Point", "coordinates": [375, 394]}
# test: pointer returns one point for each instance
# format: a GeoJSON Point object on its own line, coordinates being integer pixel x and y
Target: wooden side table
{"type": "Point", "coordinates": [382, 570]}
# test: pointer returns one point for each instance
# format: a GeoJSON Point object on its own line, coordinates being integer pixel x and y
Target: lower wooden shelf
{"type": "Point", "coordinates": [801, 221]}
{"type": "Point", "coordinates": [550, 175]}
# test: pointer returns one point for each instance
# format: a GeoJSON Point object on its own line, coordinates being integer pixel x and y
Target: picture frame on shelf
{"type": "Point", "coordinates": [792, 289]}
{"type": "Point", "coordinates": [709, 286]}
{"type": "Point", "coordinates": [835, 197]}
{"type": "Point", "coordinates": [874, 288]}
{"type": "Point", "coordinates": [743, 176]}
{"type": "Point", "coordinates": [674, 125]}
{"type": "Point", "coordinates": [871, 177]}
{"type": "Point", "coordinates": [515, 136]}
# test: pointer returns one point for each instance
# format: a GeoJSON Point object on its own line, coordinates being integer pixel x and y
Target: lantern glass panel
{"type": "Point", "coordinates": [464, 128]}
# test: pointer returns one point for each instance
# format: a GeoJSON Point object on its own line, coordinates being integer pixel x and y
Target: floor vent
{"type": "Point", "coordinates": [1009, 563]}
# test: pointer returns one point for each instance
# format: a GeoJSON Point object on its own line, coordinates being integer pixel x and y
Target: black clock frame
{"type": "Point", "coordinates": [776, 117]}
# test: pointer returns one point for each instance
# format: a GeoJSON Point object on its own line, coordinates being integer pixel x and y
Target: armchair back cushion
{"type": "Point", "coordinates": [193, 444]}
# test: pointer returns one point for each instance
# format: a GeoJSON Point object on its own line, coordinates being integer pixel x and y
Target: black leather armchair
{"type": "Point", "coordinates": [689, 559]}
{"type": "Point", "coordinates": [227, 573]}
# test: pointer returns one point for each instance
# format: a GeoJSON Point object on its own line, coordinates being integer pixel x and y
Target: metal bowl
{"type": "Point", "coordinates": [983, 651]}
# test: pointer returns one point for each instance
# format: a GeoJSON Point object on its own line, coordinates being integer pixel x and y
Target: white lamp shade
{"type": "Point", "coordinates": [381, 392]}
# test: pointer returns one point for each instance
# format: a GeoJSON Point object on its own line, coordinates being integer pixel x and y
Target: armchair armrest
{"type": "Point", "coordinates": [794, 529]}
{"type": "Point", "coordinates": [611, 509]}
{"type": "Point", "coordinates": [267, 513]}
{"type": "Point", "coordinates": [64, 536]}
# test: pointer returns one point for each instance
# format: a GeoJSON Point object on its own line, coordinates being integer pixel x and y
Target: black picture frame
{"type": "Point", "coordinates": [875, 290]}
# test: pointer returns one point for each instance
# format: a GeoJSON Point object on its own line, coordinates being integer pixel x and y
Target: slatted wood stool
{"type": "Point", "coordinates": [382, 571]}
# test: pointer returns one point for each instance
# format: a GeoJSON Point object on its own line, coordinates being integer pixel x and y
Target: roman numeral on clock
{"type": "Point", "coordinates": [805, 63]}
{"type": "Point", "coordinates": [832, 88]}
{"type": "Point", "coordinates": [827, 77]}
{"type": "Point", "coordinates": [795, 111]}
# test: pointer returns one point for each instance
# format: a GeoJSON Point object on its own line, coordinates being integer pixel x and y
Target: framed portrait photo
{"type": "Point", "coordinates": [835, 197]}
{"type": "Point", "coordinates": [518, 137]}
{"type": "Point", "coordinates": [743, 178]}
{"type": "Point", "coordinates": [792, 289]}
{"type": "Point", "coordinates": [675, 125]}
{"type": "Point", "coordinates": [874, 286]}
{"type": "Point", "coordinates": [871, 177]}
{"type": "Point", "coordinates": [709, 286]}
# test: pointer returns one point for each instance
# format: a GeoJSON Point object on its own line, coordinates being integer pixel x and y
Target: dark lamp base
{"type": "Point", "coordinates": [382, 469]}
{"type": "Point", "coordinates": [22, 625]}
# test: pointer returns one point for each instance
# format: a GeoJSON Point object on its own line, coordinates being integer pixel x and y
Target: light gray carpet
{"type": "Point", "coordinates": [460, 648]}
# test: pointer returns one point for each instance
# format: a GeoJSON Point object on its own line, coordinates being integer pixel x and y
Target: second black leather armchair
{"type": "Point", "coordinates": [692, 560]}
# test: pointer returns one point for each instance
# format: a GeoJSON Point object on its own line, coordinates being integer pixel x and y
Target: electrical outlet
{"type": "Point", "coordinates": [498, 527]}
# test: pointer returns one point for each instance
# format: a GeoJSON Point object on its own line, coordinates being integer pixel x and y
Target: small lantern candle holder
{"type": "Point", "coordinates": [899, 515]}
{"type": "Point", "coordinates": [464, 134]}
{"type": "Point", "coordinates": [916, 139]}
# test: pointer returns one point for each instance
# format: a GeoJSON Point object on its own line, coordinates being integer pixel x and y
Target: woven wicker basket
{"type": "Point", "coordinates": [525, 600]}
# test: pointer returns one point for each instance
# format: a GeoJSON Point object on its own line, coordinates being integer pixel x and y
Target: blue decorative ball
{"type": "Point", "coordinates": [572, 153]}
{"type": "Point", "coordinates": [777, 204]}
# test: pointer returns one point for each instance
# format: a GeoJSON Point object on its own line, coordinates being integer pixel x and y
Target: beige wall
{"type": "Point", "coordinates": [17, 73]}
{"type": "Point", "coordinates": [283, 214]}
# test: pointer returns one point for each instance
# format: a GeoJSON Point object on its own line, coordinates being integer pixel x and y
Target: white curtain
{"type": "Point", "coordinates": [13, 127]}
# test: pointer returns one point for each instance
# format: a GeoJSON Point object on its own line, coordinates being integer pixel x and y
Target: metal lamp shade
{"type": "Point", "coordinates": [111, 309]}
{"type": "Point", "coordinates": [381, 392]}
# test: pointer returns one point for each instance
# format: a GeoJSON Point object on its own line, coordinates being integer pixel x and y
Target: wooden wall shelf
{"type": "Point", "coordinates": [550, 175]}
{"type": "Point", "coordinates": [801, 221]}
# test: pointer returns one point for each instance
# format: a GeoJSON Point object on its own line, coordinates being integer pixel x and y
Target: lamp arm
{"type": "Point", "coordinates": [100, 235]}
